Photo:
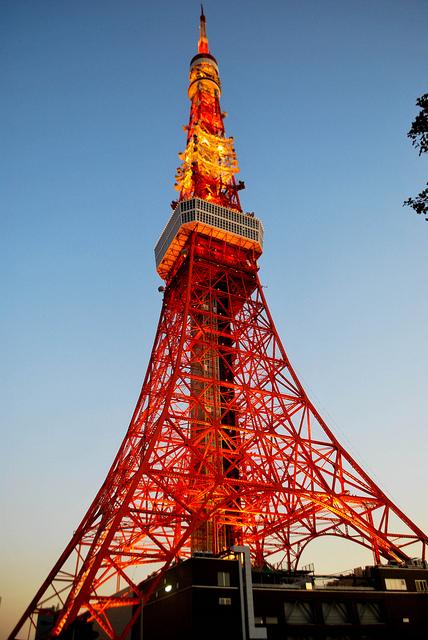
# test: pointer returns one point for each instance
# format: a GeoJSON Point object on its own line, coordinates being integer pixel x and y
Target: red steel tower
{"type": "Point", "coordinates": [224, 447]}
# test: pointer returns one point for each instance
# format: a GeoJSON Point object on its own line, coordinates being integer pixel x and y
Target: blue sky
{"type": "Point", "coordinates": [320, 95]}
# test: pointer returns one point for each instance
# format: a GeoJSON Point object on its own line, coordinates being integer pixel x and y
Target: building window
{"type": "Point", "coordinates": [369, 613]}
{"type": "Point", "coordinates": [421, 585]}
{"type": "Point", "coordinates": [225, 601]}
{"type": "Point", "coordinates": [271, 620]}
{"type": "Point", "coordinates": [395, 584]}
{"type": "Point", "coordinates": [335, 613]}
{"type": "Point", "coordinates": [223, 578]}
{"type": "Point", "coordinates": [298, 613]}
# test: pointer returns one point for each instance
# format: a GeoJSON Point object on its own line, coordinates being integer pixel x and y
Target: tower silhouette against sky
{"type": "Point", "coordinates": [224, 447]}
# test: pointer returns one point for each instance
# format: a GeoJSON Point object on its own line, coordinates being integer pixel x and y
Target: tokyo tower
{"type": "Point", "coordinates": [224, 447]}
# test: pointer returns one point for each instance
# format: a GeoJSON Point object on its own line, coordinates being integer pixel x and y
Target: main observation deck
{"type": "Point", "coordinates": [229, 225]}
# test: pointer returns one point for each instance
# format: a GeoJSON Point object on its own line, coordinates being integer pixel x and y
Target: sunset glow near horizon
{"type": "Point", "coordinates": [319, 99]}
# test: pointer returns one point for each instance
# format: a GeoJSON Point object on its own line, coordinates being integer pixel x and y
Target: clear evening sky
{"type": "Point", "coordinates": [320, 95]}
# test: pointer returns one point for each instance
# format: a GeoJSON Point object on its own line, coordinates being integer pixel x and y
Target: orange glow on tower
{"type": "Point", "coordinates": [224, 449]}
{"type": "Point", "coordinates": [209, 163]}
{"type": "Point", "coordinates": [203, 40]}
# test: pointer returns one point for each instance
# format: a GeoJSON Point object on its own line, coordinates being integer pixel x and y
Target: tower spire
{"type": "Point", "coordinates": [203, 40]}
{"type": "Point", "coordinates": [209, 161]}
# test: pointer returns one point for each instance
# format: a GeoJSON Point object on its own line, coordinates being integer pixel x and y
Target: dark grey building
{"type": "Point", "coordinates": [222, 598]}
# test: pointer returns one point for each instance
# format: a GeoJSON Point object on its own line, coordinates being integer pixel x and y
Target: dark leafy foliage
{"type": "Point", "coordinates": [420, 203]}
{"type": "Point", "coordinates": [418, 134]}
{"type": "Point", "coordinates": [419, 130]}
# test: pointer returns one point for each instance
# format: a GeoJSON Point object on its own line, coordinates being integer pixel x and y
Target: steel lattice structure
{"type": "Point", "coordinates": [224, 446]}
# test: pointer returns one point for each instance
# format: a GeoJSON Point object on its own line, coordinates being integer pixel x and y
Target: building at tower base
{"type": "Point", "coordinates": [218, 599]}
{"type": "Point", "coordinates": [222, 598]}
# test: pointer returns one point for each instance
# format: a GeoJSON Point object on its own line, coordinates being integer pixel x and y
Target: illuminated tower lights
{"type": "Point", "coordinates": [224, 447]}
